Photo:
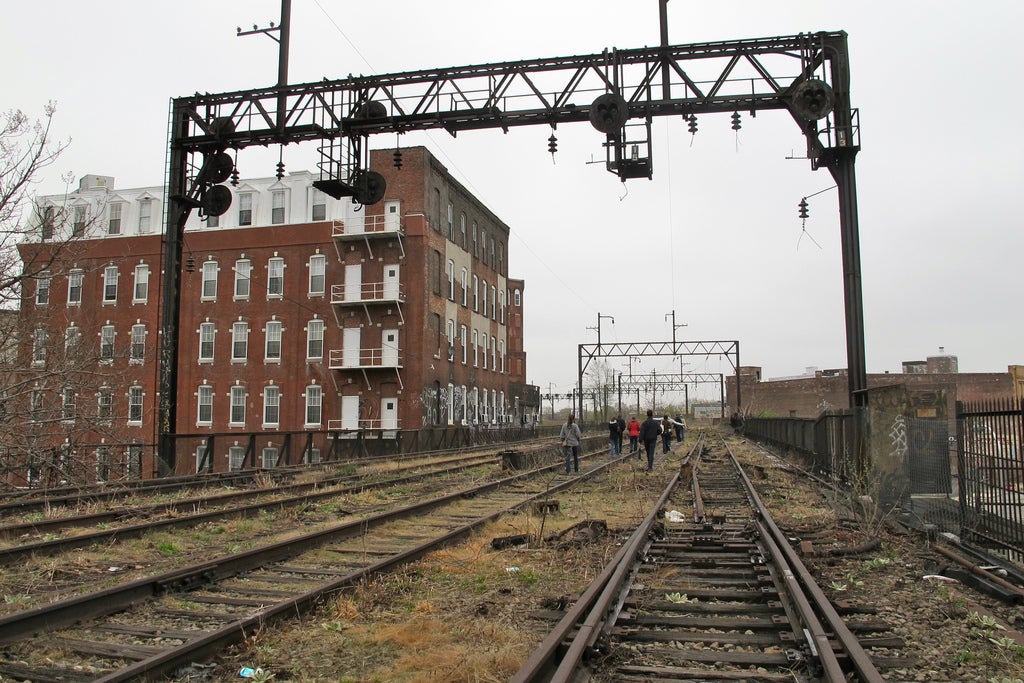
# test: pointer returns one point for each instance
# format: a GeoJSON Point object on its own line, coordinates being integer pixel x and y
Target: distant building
{"type": "Point", "coordinates": [300, 315]}
{"type": "Point", "coordinates": [809, 396]}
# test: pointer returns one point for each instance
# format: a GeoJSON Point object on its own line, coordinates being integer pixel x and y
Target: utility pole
{"type": "Point", "coordinates": [674, 326]}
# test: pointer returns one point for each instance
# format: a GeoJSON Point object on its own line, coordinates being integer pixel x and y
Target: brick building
{"type": "Point", "coordinates": [809, 395]}
{"type": "Point", "coordinates": [299, 314]}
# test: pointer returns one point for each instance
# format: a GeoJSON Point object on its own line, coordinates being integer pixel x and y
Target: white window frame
{"type": "Point", "coordinates": [110, 275]}
{"type": "Point", "coordinates": [318, 204]}
{"type": "Point", "coordinates": [239, 341]}
{"type": "Point", "coordinates": [108, 336]}
{"type": "Point", "coordinates": [269, 457]}
{"type": "Point", "coordinates": [76, 278]}
{"type": "Point", "coordinates": [317, 274]}
{"type": "Point", "coordinates": [114, 211]}
{"type": "Point", "coordinates": [207, 335]}
{"type": "Point", "coordinates": [245, 212]}
{"type": "Point", "coordinates": [462, 342]}
{"type": "Point", "coordinates": [277, 207]}
{"type": "Point", "coordinates": [271, 406]}
{"type": "Point", "coordinates": [314, 396]}
{"type": "Point", "coordinates": [275, 278]}
{"type": "Point", "coordinates": [476, 349]}
{"type": "Point", "coordinates": [272, 346]}
{"type": "Point", "coordinates": [204, 403]}
{"type": "Point", "coordinates": [315, 337]}
{"type": "Point", "coordinates": [243, 279]}
{"type": "Point", "coordinates": [140, 292]}
{"type": "Point", "coordinates": [135, 404]}
{"type": "Point", "coordinates": [209, 282]}
{"type": "Point", "coordinates": [137, 348]}
{"type": "Point", "coordinates": [145, 215]}
{"type": "Point", "coordinates": [39, 346]}
{"type": "Point", "coordinates": [450, 272]}
{"type": "Point", "coordinates": [465, 286]}
{"type": "Point", "coordinates": [104, 404]}
{"type": "Point", "coordinates": [236, 458]}
{"type": "Point", "coordinates": [43, 281]}
{"type": "Point", "coordinates": [237, 415]}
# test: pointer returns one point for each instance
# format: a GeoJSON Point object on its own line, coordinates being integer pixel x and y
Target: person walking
{"type": "Point", "coordinates": [613, 437]}
{"type": "Point", "coordinates": [680, 426]}
{"type": "Point", "coordinates": [571, 436]}
{"type": "Point", "coordinates": [649, 432]}
{"type": "Point", "coordinates": [633, 428]}
{"type": "Point", "coordinates": [666, 434]}
{"type": "Point", "coordinates": [622, 430]}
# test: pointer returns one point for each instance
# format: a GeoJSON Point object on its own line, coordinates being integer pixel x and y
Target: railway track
{"type": "Point", "coordinates": [149, 627]}
{"type": "Point", "coordinates": [714, 594]}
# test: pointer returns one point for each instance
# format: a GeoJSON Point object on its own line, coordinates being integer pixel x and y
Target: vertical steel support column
{"type": "Point", "coordinates": [177, 215]}
{"type": "Point", "coordinates": [579, 376]}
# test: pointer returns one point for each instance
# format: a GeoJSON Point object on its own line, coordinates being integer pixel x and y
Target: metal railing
{"type": "Point", "coordinates": [368, 292]}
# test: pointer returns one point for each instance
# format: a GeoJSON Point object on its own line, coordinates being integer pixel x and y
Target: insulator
{"type": "Point", "coordinates": [691, 124]}
{"type": "Point", "coordinates": [280, 170]}
{"type": "Point", "coordinates": [736, 125]}
{"type": "Point", "coordinates": [234, 176]}
{"type": "Point", "coordinates": [398, 158]}
{"type": "Point", "coordinates": [803, 208]}
{"type": "Point", "coordinates": [552, 144]}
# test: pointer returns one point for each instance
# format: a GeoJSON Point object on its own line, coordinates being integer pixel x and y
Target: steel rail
{"type": "Point", "coordinates": [804, 586]}
{"type": "Point", "coordinates": [67, 612]}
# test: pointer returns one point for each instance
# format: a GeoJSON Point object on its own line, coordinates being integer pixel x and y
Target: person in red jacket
{"type": "Point", "coordinates": [633, 429]}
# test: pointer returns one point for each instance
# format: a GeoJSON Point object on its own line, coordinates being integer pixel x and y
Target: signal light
{"type": "Point", "coordinates": [214, 198]}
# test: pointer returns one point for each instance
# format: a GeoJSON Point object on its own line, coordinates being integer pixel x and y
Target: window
{"type": "Point", "coordinates": [209, 291]}
{"type": "Point", "coordinates": [38, 346]}
{"type": "Point", "coordinates": [501, 307]}
{"type": "Point", "coordinates": [114, 219]}
{"type": "Point", "coordinates": [501, 355]}
{"type": "Point", "coordinates": [465, 286]}
{"type": "Point", "coordinates": [270, 456]}
{"type": "Point", "coordinates": [501, 259]}
{"type": "Point", "coordinates": [277, 207]}
{"type": "Point", "coordinates": [494, 352]}
{"type": "Point", "coordinates": [43, 288]}
{"type": "Point", "coordinates": [314, 399]}
{"type": "Point", "coordinates": [462, 342]}
{"type": "Point", "coordinates": [243, 278]}
{"type": "Point", "coordinates": [517, 297]}
{"type": "Point", "coordinates": [204, 414]}
{"type": "Point", "coordinates": [75, 278]}
{"type": "Point", "coordinates": [67, 405]}
{"type": "Point", "coordinates": [435, 209]}
{"type": "Point", "coordinates": [435, 331]}
{"type": "Point", "coordinates": [212, 221]}
{"type": "Point", "coordinates": [483, 297]}
{"type": "Point", "coordinates": [319, 205]}
{"type": "Point", "coordinates": [271, 406]}
{"type": "Point", "coordinates": [450, 272]}
{"type": "Point", "coordinates": [272, 352]}
{"type": "Point", "coordinates": [236, 458]}
{"type": "Point", "coordinates": [138, 348]}
{"type": "Point", "coordinates": [46, 229]}
{"type": "Point", "coordinates": [145, 215]}
{"type": "Point", "coordinates": [317, 274]}
{"type": "Point", "coordinates": [494, 263]}
{"type": "Point", "coordinates": [135, 405]}
{"type": "Point", "coordinates": [476, 294]}
{"type": "Point", "coordinates": [110, 285]}
{"type": "Point", "coordinates": [476, 349]}
{"type": "Point", "coordinates": [311, 456]}
{"type": "Point", "coordinates": [494, 303]}
{"type": "Point", "coordinates": [462, 230]}
{"type": "Point", "coordinates": [78, 224]}
{"type": "Point", "coordinates": [435, 271]}
{"type": "Point", "coordinates": [315, 339]}
{"type": "Point", "coordinates": [72, 341]}
{"type": "Point", "coordinates": [239, 341]}
{"type": "Point", "coordinates": [476, 252]}
{"type": "Point", "coordinates": [237, 405]}
{"type": "Point", "coordinates": [207, 331]}
{"type": "Point", "coordinates": [245, 208]}
{"type": "Point", "coordinates": [105, 404]}
{"type": "Point", "coordinates": [36, 405]}
{"type": "Point", "coordinates": [275, 278]}
{"type": "Point", "coordinates": [107, 343]}
{"type": "Point", "coordinates": [483, 246]}
{"type": "Point", "coordinates": [140, 295]}
{"type": "Point", "coordinates": [450, 219]}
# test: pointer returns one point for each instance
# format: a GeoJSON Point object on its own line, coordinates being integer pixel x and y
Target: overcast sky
{"type": "Point", "coordinates": [714, 236]}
